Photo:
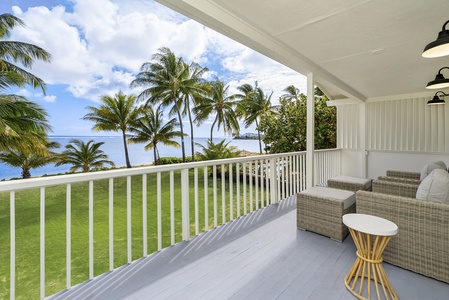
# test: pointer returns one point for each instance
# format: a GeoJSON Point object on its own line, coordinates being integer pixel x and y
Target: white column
{"type": "Point", "coordinates": [310, 161]}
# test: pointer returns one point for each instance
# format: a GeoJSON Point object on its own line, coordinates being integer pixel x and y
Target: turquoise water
{"type": "Point", "coordinates": [113, 147]}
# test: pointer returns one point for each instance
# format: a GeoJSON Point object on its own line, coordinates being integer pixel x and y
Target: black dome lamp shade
{"type": "Point", "coordinates": [440, 82]}
{"type": "Point", "coordinates": [436, 100]}
{"type": "Point", "coordinates": [439, 47]}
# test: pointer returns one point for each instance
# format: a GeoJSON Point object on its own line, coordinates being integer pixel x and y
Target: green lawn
{"type": "Point", "coordinates": [28, 229]}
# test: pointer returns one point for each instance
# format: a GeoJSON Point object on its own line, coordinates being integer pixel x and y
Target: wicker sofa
{"type": "Point", "coordinates": [422, 243]}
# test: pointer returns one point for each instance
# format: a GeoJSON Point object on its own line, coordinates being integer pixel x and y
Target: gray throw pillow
{"type": "Point", "coordinates": [435, 187]}
{"type": "Point", "coordinates": [430, 167]}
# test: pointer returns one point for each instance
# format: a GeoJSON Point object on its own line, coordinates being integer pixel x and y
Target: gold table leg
{"type": "Point", "coordinates": [368, 268]}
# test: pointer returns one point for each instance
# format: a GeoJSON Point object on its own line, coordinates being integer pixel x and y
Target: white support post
{"type": "Point", "coordinates": [185, 205]}
{"type": "Point", "coordinates": [310, 164]}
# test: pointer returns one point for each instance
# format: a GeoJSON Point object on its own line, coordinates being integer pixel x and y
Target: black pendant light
{"type": "Point", "coordinates": [440, 82]}
{"type": "Point", "coordinates": [436, 100]}
{"type": "Point", "coordinates": [439, 47]}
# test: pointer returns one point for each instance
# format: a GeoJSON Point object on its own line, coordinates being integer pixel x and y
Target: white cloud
{"type": "Point", "coordinates": [99, 46]}
{"type": "Point", "coordinates": [29, 94]}
{"type": "Point", "coordinates": [23, 92]}
{"type": "Point", "coordinates": [50, 99]}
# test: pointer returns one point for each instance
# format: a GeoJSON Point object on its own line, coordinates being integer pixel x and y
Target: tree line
{"type": "Point", "coordinates": [170, 86]}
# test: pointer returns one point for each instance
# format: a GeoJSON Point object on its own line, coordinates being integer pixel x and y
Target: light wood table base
{"type": "Point", "coordinates": [367, 273]}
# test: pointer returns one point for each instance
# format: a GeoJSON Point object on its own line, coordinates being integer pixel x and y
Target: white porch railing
{"type": "Point", "coordinates": [91, 223]}
{"type": "Point", "coordinates": [327, 164]}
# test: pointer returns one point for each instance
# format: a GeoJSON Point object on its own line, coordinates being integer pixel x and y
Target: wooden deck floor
{"type": "Point", "coordinates": [260, 256]}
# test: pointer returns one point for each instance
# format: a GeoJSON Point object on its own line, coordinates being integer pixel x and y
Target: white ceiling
{"type": "Point", "coordinates": [356, 49]}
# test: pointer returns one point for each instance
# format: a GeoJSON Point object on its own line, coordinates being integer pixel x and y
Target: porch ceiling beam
{"type": "Point", "coordinates": [341, 102]}
{"type": "Point", "coordinates": [230, 25]}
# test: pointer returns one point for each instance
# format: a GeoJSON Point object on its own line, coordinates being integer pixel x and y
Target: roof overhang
{"type": "Point", "coordinates": [355, 49]}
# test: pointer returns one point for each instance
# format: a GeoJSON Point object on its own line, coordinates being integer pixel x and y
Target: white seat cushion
{"type": "Point", "coordinates": [435, 187]}
{"type": "Point", "coordinates": [347, 197]}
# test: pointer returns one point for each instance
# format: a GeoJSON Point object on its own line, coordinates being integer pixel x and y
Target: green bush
{"type": "Point", "coordinates": [169, 160]}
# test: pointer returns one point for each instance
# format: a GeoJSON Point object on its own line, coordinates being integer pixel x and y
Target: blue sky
{"type": "Point", "coordinates": [98, 47]}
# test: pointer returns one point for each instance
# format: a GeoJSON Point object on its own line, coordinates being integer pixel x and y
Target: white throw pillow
{"type": "Point", "coordinates": [430, 167]}
{"type": "Point", "coordinates": [435, 187]}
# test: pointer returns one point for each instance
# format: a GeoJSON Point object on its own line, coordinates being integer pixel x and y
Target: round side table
{"type": "Point", "coordinates": [371, 235]}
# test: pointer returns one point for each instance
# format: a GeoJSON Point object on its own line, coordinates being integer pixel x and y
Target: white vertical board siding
{"type": "Point", "coordinates": [407, 125]}
{"type": "Point", "coordinates": [395, 125]}
{"type": "Point", "coordinates": [348, 132]}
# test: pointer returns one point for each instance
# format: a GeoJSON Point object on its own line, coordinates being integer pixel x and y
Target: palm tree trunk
{"type": "Point", "coordinates": [155, 155]}
{"type": "Point", "coordinates": [128, 164]}
{"type": "Point", "coordinates": [26, 173]}
{"type": "Point", "coordinates": [212, 129]}
{"type": "Point", "coordinates": [260, 139]}
{"type": "Point", "coordinates": [183, 148]}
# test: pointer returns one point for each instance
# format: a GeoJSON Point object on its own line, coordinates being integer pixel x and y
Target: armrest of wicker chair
{"type": "Point", "coordinates": [400, 180]}
{"type": "Point", "coordinates": [422, 242]}
{"type": "Point", "coordinates": [395, 188]}
{"type": "Point", "coordinates": [404, 174]}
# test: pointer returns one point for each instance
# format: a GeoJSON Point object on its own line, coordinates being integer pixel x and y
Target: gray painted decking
{"type": "Point", "coordinates": [260, 256]}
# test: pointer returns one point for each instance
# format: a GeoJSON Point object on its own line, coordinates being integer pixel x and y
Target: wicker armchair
{"type": "Point", "coordinates": [400, 180]}
{"type": "Point", "coordinates": [395, 188]}
{"type": "Point", "coordinates": [422, 243]}
{"type": "Point", "coordinates": [404, 174]}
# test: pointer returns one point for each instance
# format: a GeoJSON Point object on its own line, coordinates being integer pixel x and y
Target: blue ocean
{"type": "Point", "coordinates": [113, 147]}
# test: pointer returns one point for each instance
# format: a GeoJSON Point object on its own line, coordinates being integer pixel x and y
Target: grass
{"type": "Point", "coordinates": [27, 206]}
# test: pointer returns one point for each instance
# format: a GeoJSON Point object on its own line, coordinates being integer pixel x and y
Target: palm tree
{"type": "Point", "coordinates": [22, 123]}
{"type": "Point", "coordinates": [253, 106]}
{"type": "Point", "coordinates": [115, 114]}
{"type": "Point", "coordinates": [292, 93]}
{"type": "Point", "coordinates": [169, 80]}
{"type": "Point", "coordinates": [219, 150]}
{"type": "Point", "coordinates": [18, 52]}
{"type": "Point", "coordinates": [195, 95]}
{"type": "Point", "coordinates": [150, 129]}
{"type": "Point", "coordinates": [27, 160]}
{"type": "Point", "coordinates": [84, 156]}
{"type": "Point", "coordinates": [222, 105]}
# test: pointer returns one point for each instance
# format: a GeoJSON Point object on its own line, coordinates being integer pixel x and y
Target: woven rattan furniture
{"type": "Point", "coordinates": [320, 210]}
{"type": "Point", "coordinates": [367, 276]}
{"type": "Point", "coordinates": [349, 183]}
{"type": "Point", "coordinates": [400, 180]}
{"type": "Point", "coordinates": [404, 174]}
{"type": "Point", "coordinates": [395, 188]}
{"type": "Point", "coordinates": [422, 243]}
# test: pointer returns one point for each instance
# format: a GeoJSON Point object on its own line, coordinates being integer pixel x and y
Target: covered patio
{"type": "Point", "coordinates": [366, 57]}
{"type": "Point", "coordinates": [259, 256]}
